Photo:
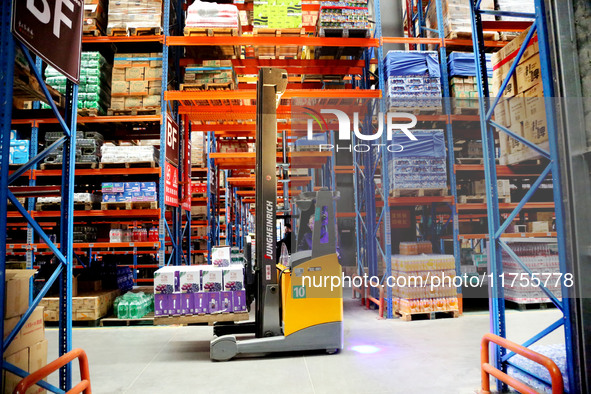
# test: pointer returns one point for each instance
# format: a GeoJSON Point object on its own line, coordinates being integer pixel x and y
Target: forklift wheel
{"type": "Point", "coordinates": [332, 351]}
{"type": "Point", "coordinates": [223, 348]}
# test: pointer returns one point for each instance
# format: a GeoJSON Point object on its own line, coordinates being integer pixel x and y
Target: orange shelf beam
{"type": "Point", "coordinates": [89, 245]}
{"type": "Point", "coordinates": [178, 95]}
{"type": "Point", "coordinates": [502, 171]}
{"type": "Point", "coordinates": [94, 119]}
{"type": "Point", "coordinates": [124, 213]}
{"type": "Point", "coordinates": [506, 206]}
{"type": "Point", "coordinates": [510, 235]}
{"type": "Point", "coordinates": [274, 41]}
{"type": "Point", "coordinates": [104, 171]}
{"type": "Point", "coordinates": [117, 39]}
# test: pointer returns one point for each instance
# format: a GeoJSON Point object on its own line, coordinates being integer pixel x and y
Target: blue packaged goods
{"type": "Point", "coordinates": [401, 63]}
{"type": "Point", "coordinates": [317, 139]}
{"type": "Point", "coordinates": [109, 197]}
{"type": "Point", "coordinates": [463, 64]}
{"type": "Point", "coordinates": [148, 186]}
{"type": "Point", "coordinates": [132, 187]}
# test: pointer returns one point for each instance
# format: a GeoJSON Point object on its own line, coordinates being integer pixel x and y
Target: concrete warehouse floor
{"type": "Point", "coordinates": [389, 356]}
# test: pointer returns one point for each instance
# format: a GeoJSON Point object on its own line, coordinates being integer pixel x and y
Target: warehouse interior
{"type": "Point", "coordinates": [313, 187]}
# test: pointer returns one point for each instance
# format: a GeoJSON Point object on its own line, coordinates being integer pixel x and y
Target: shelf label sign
{"type": "Point", "coordinates": [52, 29]}
{"type": "Point", "coordinates": [172, 140]}
{"type": "Point", "coordinates": [171, 185]}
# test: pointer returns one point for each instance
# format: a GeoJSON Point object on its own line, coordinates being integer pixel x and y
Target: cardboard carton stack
{"type": "Point", "coordinates": [28, 350]}
{"type": "Point", "coordinates": [522, 108]}
{"type": "Point", "coordinates": [351, 14]}
{"type": "Point", "coordinates": [210, 75]}
{"type": "Point", "coordinates": [19, 149]}
{"type": "Point", "coordinates": [95, 17]}
{"type": "Point", "coordinates": [277, 14]}
{"type": "Point", "coordinates": [94, 89]}
{"type": "Point", "coordinates": [128, 16]}
{"type": "Point", "coordinates": [457, 20]}
{"type": "Point", "coordinates": [198, 149]}
{"type": "Point", "coordinates": [137, 81]}
{"type": "Point", "coordinates": [463, 82]}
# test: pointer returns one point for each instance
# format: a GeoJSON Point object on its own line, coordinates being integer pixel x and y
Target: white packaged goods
{"type": "Point", "coordinates": [221, 256]}
{"type": "Point", "coordinates": [212, 15]}
{"type": "Point", "coordinates": [526, 6]}
{"type": "Point", "coordinates": [78, 197]}
{"type": "Point", "coordinates": [456, 17]}
{"type": "Point", "coordinates": [128, 154]}
{"type": "Point", "coordinates": [134, 14]}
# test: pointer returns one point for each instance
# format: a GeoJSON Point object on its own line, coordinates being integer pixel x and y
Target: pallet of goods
{"type": "Point", "coordinates": [88, 150]}
{"type": "Point", "coordinates": [123, 233]}
{"type": "Point", "coordinates": [417, 291]}
{"type": "Point", "coordinates": [198, 149]}
{"type": "Point", "coordinates": [193, 294]}
{"type": "Point", "coordinates": [413, 81]}
{"type": "Point", "coordinates": [214, 20]}
{"type": "Point", "coordinates": [82, 201]}
{"type": "Point", "coordinates": [342, 19]}
{"type": "Point", "coordinates": [95, 18]}
{"type": "Point", "coordinates": [19, 149]}
{"type": "Point", "coordinates": [89, 306]}
{"type": "Point", "coordinates": [463, 83]}
{"type": "Point", "coordinates": [28, 349]}
{"type": "Point", "coordinates": [277, 18]}
{"type": "Point", "coordinates": [134, 18]}
{"type": "Point", "coordinates": [210, 75]}
{"type": "Point", "coordinates": [540, 258]}
{"type": "Point", "coordinates": [523, 6]}
{"type": "Point", "coordinates": [129, 195]}
{"type": "Point", "coordinates": [136, 84]}
{"type": "Point", "coordinates": [94, 90]}
{"type": "Point", "coordinates": [522, 107]}
{"type": "Point", "coordinates": [457, 20]}
{"type": "Point", "coordinates": [421, 168]}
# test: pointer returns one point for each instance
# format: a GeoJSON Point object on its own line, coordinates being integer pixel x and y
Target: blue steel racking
{"type": "Point", "coordinates": [366, 167]}
{"type": "Point", "coordinates": [495, 228]}
{"type": "Point", "coordinates": [64, 253]}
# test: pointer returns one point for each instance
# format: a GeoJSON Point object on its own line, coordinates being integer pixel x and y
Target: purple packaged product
{"type": "Point", "coordinates": [161, 305]}
{"type": "Point", "coordinates": [239, 301]}
{"type": "Point", "coordinates": [200, 303]}
{"type": "Point", "coordinates": [187, 303]}
{"type": "Point", "coordinates": [175, 304]}
{"type": "Point", "coordinates": [137, 196]}
{"type": "Point", "coordinates": [148, 186]}
{"type": "Point", "coordinates": [213, 302]}
{"type": "Point", "coordinates": [226, 302]}
{"type": "Point", "coordinates": [150, 196]}
{"type": "Point", "coordinates": [132, 187]}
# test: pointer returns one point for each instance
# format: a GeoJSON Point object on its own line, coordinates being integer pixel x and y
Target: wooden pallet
{"type": "Point", "coordinates": [114, 321]}
{"type": "Point", "coordinates": [340, 52]}
{"type": "Point", "coordinates": [87, 307]}
{"type": "Point", "coordinates": [133, 31]}
{"type": "Point", "coordinates": [418, 110]}
{"type": "Point", "coordinates": [133, 164]}
{"type": "Point", "coordinates": [195, 319]}
{"type": "Point", "coordinates": [224, 50]}
{"type": "Point", "coordinates": [117, 206]}
{"type": "Point", "coordinates": [52, 206]}
{"type": "Point", "coordinates": [88, 112]}
{"type": "Point", "coordinates": [427, 315]}
{"type": "Point", "coordinates": [481, 199]}
{"type": "Point", "coordinates": [92, 31]}
{"type": "Point", "coordinates": [58, 166]}
{"type": "Point", "coordinates": [26, 87]}
{"type": "Point", "coordinates": [134, 111]}
{"type": "Point", "coordinates": [467, 35]}
{"type": "Point", "coordinates": [278, 52]}
{"type": "Point", "coordinates": [436, 192]}
{"type": "Point", "coordinates": [472, 160]}
{"type": "Point", "coordinates": [466, 110]}
{"type": "Point", "coordinates": [195, 86]}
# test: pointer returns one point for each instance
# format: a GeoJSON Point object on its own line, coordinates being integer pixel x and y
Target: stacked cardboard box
{"type": "Point", "coordinates": [137, 81]}
{"type": "Point", "coordinates": [211, 72]}
{"type": "Point", "coordinates": [95, 17]}
{"type": "Point", "coordinates": [85, 306]}
{"type": "Point", "coordinates": [197, 149]}
{"type": "Point", "coordinates": [235, 147]}
{"type": "Point", "coordinates": [503, 188]}
{"type": "Point", "coordinates": [129, 15]}
{"type": "Point", "coordinates": [456, 18]}
{"type": "Point", "coordinates": [28, 350]}
{"type": "Point", "coordinates": [128, 154]}
{"type": "Point", "coordinates": [277, 14]}
{"type": "Point", "coordinates": [522, 109]}
{"type": "Point", "coordinates": [129, 191]}
{"type": "Point", "coordinates": [94, 89]}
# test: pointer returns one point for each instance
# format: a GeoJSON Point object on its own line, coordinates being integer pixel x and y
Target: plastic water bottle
{"type": "Point", "coordinates": [123, 309]}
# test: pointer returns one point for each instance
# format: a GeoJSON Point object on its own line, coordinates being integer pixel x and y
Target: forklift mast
{"type": "Point", "coordinates": [270, 86]}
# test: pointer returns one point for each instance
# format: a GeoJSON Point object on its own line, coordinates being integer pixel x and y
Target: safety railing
{"type": "Point", "coordinates": [488, 369]}
{"type": "Point", "coordinates": [82, 387]}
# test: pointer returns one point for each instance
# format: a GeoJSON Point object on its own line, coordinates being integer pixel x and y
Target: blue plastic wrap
{"type": "Point", "coordinates": [462, 64]}
{"type": "Point", "coordinates": [317, 139]}
{"type": "Point", "coordinates": [399, 63]}
{"type": "Point", "coordinates": [428, 144]}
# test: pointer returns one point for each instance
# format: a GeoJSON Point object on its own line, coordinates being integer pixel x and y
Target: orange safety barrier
{"type": "Point", "coordinates": [488, 369]}
{"type": "Point", "coordinates": [365, 295]}
{"type": "Point", "coordinates": [82, 387]}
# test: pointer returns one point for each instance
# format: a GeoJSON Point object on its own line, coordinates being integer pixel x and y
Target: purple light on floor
{"type": "Point", "coordinates": [365, 349]}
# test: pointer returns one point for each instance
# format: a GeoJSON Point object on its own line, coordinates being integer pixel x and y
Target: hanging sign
{"type": "Point", "coordinates": [171, 185]}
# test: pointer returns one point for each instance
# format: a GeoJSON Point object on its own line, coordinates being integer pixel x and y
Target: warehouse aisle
{"type": "Point", "coordinates": [380, 357]}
